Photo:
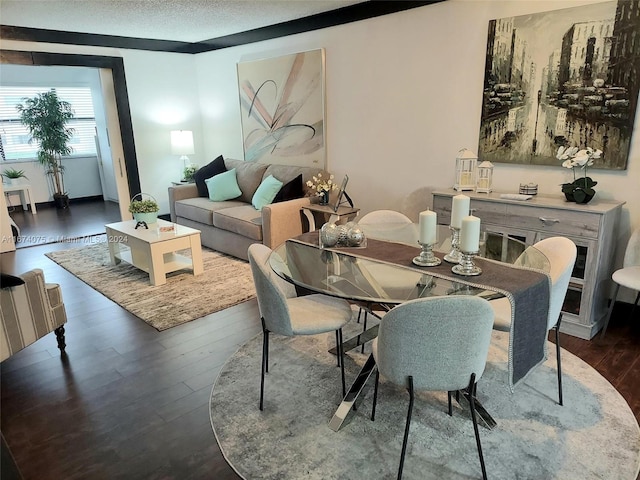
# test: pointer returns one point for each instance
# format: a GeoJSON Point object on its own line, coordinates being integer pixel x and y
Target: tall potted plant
{"type": "Point", "coordinates": [46, 117]}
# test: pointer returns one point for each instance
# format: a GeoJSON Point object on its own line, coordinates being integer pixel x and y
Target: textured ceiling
{"type": "Point", "coordinates": [180, 20]}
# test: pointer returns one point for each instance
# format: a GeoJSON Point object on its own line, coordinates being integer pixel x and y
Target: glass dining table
{"type": "Point", "coordinates": [384, 281]}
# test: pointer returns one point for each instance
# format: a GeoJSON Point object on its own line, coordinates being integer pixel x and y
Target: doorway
{"type": "Point", "coordinates": [117, 143]}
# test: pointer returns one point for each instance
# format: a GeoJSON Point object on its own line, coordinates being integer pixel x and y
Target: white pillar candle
{"type": "Point", "coordinates": [428, 227]}
{"type": "Point", "coordinates": [470, 234]}
{"type": "Point", "coordinates": [459, 210]}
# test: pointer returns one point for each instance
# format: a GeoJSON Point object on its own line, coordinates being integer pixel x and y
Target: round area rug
{"type": "Point", "coordinates": [594, 435]}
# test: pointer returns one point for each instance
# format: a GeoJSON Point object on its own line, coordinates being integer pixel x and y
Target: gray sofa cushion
{"type": "Point", "coordinates": [243, 220]}
{"type": "Point", "coordinates": [249, 175]}
{"type": "Point", "coordinates": [201, 209]}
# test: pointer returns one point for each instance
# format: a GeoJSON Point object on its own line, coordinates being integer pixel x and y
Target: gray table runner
{"type": "Point", "coordinates": [527, 290]}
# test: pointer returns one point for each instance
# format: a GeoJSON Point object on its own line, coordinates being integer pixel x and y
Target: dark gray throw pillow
{"type": "Point", "coordinates": [290, 191]}
{"type": "Point", "coordinates": [210, 170]}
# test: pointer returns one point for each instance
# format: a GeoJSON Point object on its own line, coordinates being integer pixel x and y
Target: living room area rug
{"type": "Point", "coordinates": [593, 436]}
{"type": "Point", "coordinates": [226, 281]}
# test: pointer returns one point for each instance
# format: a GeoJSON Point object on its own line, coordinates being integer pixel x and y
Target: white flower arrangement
{"type": "Point", "coordinates": [321, 185]}
{"type": "Point", "coordinates": [580, 189]}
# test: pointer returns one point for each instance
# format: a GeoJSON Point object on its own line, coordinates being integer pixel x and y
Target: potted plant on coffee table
{"type": "Point", "coordinates": [144, 210]}
{"type": "Point", "coordinates": [46, 117]}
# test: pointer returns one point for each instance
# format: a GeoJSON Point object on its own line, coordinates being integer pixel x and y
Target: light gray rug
{"type": "Point", "coordinates": [594, 436]}
{"type": "Point", "coordinates": [226, 281]}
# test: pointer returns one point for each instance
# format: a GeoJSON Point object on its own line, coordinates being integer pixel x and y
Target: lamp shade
{"type": "Point", "coordinates": [182, 142]}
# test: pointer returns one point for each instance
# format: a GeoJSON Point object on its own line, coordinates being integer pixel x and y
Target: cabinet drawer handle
{"type": "Point", "coordinates": [548, 221]}
{"type": "Point", "coordinates": [472, 211]}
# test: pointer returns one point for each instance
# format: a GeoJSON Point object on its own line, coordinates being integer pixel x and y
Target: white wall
{"type": "Point", "coordinates": [403, 96]}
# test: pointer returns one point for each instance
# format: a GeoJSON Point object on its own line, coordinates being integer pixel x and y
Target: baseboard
{"type": "Point", "coordinates": [92, 198]}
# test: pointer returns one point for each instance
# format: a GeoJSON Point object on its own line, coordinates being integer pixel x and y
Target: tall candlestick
{"type": "Point", "coordinates": [428, 227]}
{"type": "Point", "coordinates": [470, 234]}
{"type": "Point", "coordinates": [459, 210]}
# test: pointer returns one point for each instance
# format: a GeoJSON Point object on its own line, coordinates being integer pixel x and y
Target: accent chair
{"type": "Point", "coordinates": [30, 309]}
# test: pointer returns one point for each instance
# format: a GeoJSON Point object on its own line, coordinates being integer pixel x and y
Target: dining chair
{"type": "Point", "coordinates": [561, 254]}
{"type": "Point", "coordinates": [383, 216]}
{"type": "Point", "coordinates": [283, 313]}
{"type": "Point", "coordinates": [434, 344]}
{"type": "Point", "coordinates": [378, 217]}
{"type": "Point", "coordinates": [628, 276]}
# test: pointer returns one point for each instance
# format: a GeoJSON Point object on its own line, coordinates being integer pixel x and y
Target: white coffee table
{"type": "Point", "coordinates": [154, 251]}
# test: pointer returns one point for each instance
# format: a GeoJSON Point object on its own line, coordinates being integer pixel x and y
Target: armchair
{"type": "Point", "coordinates": [29, 310]}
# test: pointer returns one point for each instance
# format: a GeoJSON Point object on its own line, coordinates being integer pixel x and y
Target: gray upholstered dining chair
{"type": "Point", "coordinates": [283, 313]}
{"type": "Point", "coordinates": [628, 276]}
{"type": "Point", "coordinates": [561, 253]}
{"type": "Point", "coordinates": [379, 217]}
{"type": "Point", "coordinates": [434, 344]}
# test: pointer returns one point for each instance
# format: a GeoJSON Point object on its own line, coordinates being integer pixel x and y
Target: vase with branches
{"type": "Point", "coordinates": [46, 117]}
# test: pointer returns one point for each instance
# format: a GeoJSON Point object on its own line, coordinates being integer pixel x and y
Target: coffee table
{"type": "Point", "coordinates": [153, 250]}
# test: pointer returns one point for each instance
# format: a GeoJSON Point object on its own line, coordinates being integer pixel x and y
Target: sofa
{"type": "Point", "coordinates": [230, 226]}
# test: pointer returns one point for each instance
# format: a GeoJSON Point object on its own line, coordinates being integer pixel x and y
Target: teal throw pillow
{"type": "Point", "coordinates": [266, 192]}
{"type": "Point", "coordinates": [223, 186]}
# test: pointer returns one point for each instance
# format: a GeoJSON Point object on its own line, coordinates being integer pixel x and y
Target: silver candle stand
{"type": "Point", "coordinates": [426, 257]}
{"type": "Point", "coordinates": [466, 266]}
{"type": "Point", "coordinates": [454, 255]}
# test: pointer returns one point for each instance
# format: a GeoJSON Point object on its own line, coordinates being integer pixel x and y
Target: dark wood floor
{"type": "Point", "coordinates": [132, 402]}
{"type": "Point", "coordinates": [49, 225]}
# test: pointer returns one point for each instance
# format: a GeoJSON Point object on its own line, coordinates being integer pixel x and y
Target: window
{"type": "Point", "coordinates": [15, 136]}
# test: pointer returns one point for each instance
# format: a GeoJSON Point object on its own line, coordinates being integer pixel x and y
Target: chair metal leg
{"type": "Point", "coordinates": [635, 304]}
{"type": "Point", "coordinates": [359, 313]}
{"type": "Point", "coordinates": [375, 395]}
{"type": "Point", "coordinates": [449, 401]}
{"type": "Point", "coordinates": [613, 301]}
{"type": "Point", "coordinates": [338, 347]}
{"type": "Point", "coordinates": [406, 428]}
{"type": "Point", "coordinates": [265, 359]}
{"type": "Point", "coordinates": [363, 329]}
{"type": "Point", "coordinates": [472, 404]}
{"type": "Point", "coordinates": [557, 328]}
{"type": "Point", "coordinates": [341, 361]}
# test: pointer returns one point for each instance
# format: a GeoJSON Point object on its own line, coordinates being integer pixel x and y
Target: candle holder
{"type": "Point", "coordinates": [454, 255]}
{"type": "Point", "coordinates": [466, 266]}
{"type": "Point", "coordinates": [426, 257]}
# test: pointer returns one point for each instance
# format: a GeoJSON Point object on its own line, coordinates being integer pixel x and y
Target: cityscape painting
{"type": "Point", "coordinates": [567, 77]}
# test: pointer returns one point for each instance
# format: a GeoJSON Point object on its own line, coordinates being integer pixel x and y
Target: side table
{"type": "Point", "coordinates": [326, 214]}
{"type": "Point", "coordinates": [24, 190]}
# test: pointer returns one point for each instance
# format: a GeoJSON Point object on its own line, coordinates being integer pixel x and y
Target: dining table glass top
{"type": "Point", "coordinates": [346, 274]}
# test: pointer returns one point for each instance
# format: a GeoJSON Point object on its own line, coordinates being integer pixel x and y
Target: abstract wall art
{"type": "Point", "coordinates": [568, 77]}
{"type": "Point", "coordinates": [283, 109]}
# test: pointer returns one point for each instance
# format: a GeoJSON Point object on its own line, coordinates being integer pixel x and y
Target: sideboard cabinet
{"type": "Point", "coordinates": [592, 227]}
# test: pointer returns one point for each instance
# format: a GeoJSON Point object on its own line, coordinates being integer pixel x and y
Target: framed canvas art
{"type": "Point", "coordinates": [568, 77]}
{"type": "Point", "coordinates": [283, 109]}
